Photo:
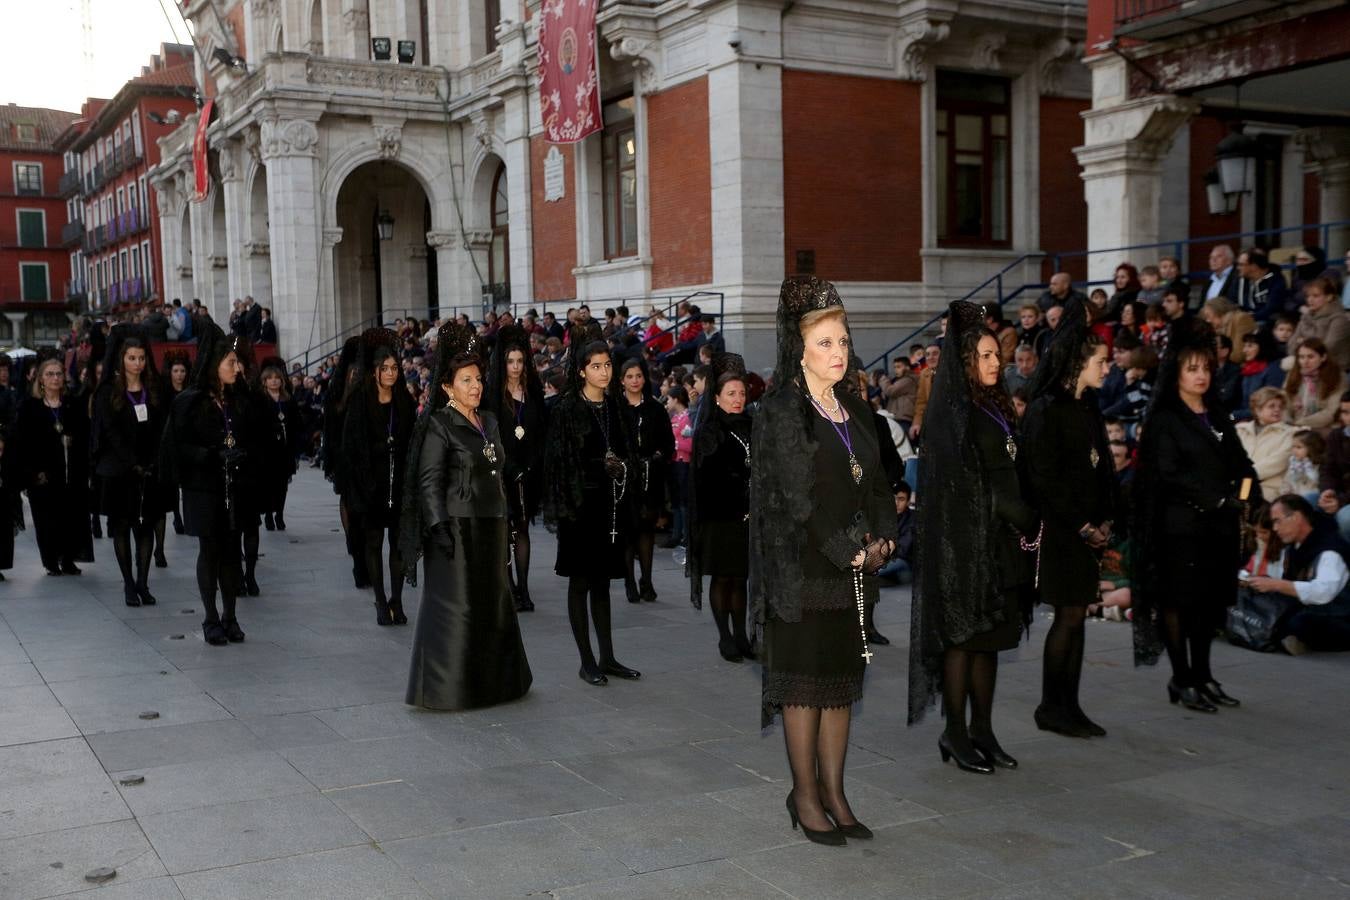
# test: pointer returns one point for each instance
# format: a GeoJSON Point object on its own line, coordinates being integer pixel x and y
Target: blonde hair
{"type": "Point", "coordinates": [816, 316]}
{"type": "Point", "coordinates": [37, 376]}
{"type": "Point", "coordinates": [1262, 396]}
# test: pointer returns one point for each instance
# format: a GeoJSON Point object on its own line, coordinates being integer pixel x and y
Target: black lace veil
{"type": "Point", "coordinates": [956, 592]}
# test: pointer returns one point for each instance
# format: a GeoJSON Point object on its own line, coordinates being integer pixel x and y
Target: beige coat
{"type": "Point", "coordinates": [1323, 416]}
{"type": "Point", "coordinates": [1269, 451]}
{"type": "Point", "coordinates": [1332, 325]}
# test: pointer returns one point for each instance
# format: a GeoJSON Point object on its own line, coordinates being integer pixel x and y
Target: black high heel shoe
{"type": "Point", "coordinates": [382, 616]}
{"type": "Point", "coordinates": [729, 651]}
{"type": "Point", "coordinates": [1190, 698]}
{"type": "Point", "coordinates": [832, 838]}
{"type": "Point", "coordinates": [161, 561]}
{"type": "Point", "coordinates": [132, 598]}
{"type": "Point", "coordinates": [251, 585]}
{"type": "Point", "coordinates": [966, 762]}
{"type": "Point", "coordinates": [1090, 726]}
{"type": "Point", "coordinates": [1214, 693]}
{"type": "Point", "coordinates": [745, 650]}
{"type": "Point", "coordinates": [1056, 720]}
{"type": "Point", "coordinates": [147, 598]}
{"type": "Point", "coordinates": [280, 522]}
{"type": "Point", "coordinates": [233, 633]}
{"type": "Point", "coordinates": [993, 753]}
{"type": "Point", "coordinates": [214, 634]}
{"type": "Point", "coordinates": [397, 614]}
{"type": "Point", "coordinates": [646, 591]}
{"type": "Point", "coordinates": [267, 522]}
{"type": "Point", "coordinates": [631, 589]}
{"type": "Point", "coordinates": [855, 830]}
{"type": "Point", "coordinates": [591, 674]}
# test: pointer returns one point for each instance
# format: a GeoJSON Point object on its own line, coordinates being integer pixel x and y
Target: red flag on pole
{"type": "Point", "coordinates": [201, 177]}
{"type": "Point", "coordinates": [569, 78]}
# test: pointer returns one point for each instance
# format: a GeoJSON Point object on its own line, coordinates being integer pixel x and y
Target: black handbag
{"type": "Point", "coordinates": [1256, 620]}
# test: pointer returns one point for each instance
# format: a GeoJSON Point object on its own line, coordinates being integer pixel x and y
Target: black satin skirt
{"type": "Point", "coordinates": [467, 652]}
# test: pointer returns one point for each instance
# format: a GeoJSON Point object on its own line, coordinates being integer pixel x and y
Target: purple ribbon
{"type": "Point", "coordinates": [842, 432]}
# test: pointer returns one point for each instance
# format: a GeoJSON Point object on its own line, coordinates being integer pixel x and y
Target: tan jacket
{"type": "Point", "coordinates": [1269, 451]}
{"type": "Point", "coordinates": [1237, 325]}
{"type": "Point", "coordinates": [921, 401]}
{"type": "Point", "coordinates": [1332, 325]}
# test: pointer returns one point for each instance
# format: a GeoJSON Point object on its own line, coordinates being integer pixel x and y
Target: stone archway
{"type": "Point", "coordinates": [376, 278]}
{"type": "Point", "coordinates": [219, 259]}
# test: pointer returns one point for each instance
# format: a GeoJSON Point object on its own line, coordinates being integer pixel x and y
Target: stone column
{"type": "Point", "coordinates": [1327, 153]}
{"type": "Point", "coordinates": [448, 276]}
{"type": "Point", "coordinates": [745, 126]}
{"type": "Point", "coordinates": [170, 236]}
{"type": "Point", "coordinates": [289, 149]}
{"type": "Point", "coordinates": [1126, 140]}
{"type": "Point", "coordinates": [236, 225]}
{"type": "Point", "coordinates": [199, 226]}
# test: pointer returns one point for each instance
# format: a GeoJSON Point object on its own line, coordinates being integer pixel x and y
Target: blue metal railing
{"type": "Point", "coordinates": [1178, 248]}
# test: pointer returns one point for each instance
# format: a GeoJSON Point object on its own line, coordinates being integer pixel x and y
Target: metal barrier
{"type": "Point", "coordinates": [1178, 248]}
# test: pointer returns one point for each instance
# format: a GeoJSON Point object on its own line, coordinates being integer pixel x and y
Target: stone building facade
{"type": "Point", "coordinates": [905, 150]}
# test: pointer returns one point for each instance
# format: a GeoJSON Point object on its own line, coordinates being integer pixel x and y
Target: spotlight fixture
{"type": "Point", "coordinates": [407, 51]}
{"type": "Point", "coordinates": [380, 47]}
{"type": "Point", "coordinates": [229, 60]}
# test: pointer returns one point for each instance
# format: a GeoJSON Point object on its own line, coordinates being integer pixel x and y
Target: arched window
{"type": "Point", "coordinates": [499, 257]}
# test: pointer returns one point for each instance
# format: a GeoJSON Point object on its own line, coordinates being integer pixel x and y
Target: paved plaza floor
{"type": "Point", "coordinates": [289, 766]}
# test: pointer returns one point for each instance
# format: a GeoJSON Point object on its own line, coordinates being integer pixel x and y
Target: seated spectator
{"type": "Point", "coordinates": [1225, 318]}
{"type": "Point", "coordinates": [1059, 292]}
{"type": "Point", "coordinates": [1150, 286]}
{"type": "Point", "coordinates": [1100, 320]}
{"type": "Point", "coordinates": [1334, 499]}
{"type": "Point", "coordinates": [1154, 332]}
{"type": "Point", "coordinates": [1267, 438]}
{"type": "Point", "coordinates": [1122, 463]}
{"type": "Point", "coordinates": [1304, 475]}
{"type": "Point", "coordinates": [1283, 331]}
{"type": "Point", "coordinates": [1020, 399]}
{"type": "Point", "coordinates": [1019, 373]}
{"type": "Point", "coordinates": [900, 391]}
{"type": "Point", "coordinates": [1113, 590]}
{"type": "Point", "coordinates": [1169, 270]}
{"type": "Point", "coordinates": [1028, 323]}
{"type": "Point", "coordinates": [897, 570]}
{"type": "Point", "coordinates": [1228, 376]}
{"type": "Point", "coordinates": [1138, 387]}
{"type": "Point", "coordinates": [1314, 573]}
{"type": "Point", "coordinates": [1132, 317]}
{"type": "Point", "coordinates": [1223, 275]}
{"type": "Point", "coordinates": [1127, 289]}
{"type": "Point", "coordinates": [1097, 300]}
{"type": "Point", "coordinates": [1314, 386]}
{"type": "Point", "coordinates": [1324, 319]}
{"type": "Point", "coordinates": [1004, 332]}
{"type": "Point", "coordinates": [1260, 368]}
{"type": "Point", "coordinates": [1113, 388]}
{"type": "Point", "coordinates": [1269, 294]}
{"type": "Point", "coordinates": [916, 360]}
{"type": "Point", "coordinates": [1310, 263]}
{"type": "Point", "coordinates": [1115, 431]}
{"type": "Point", "coordinates": [1267, 551]}
{"type": "Point", "coordinates": [1052, 318]}
{"type": "Point", "coordinates": [931, 354]}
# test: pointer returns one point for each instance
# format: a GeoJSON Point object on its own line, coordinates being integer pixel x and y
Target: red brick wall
{"type": "Point", "coordinates": [852, 176]}
{"type": "Point", "coordinates": [554, 226]}
{"type": "Point", "coordinates": [1206, 132]}
{"type": "Point", "coordinates": [1063, 208]}
{"type": "Point", "coordinates": [53, 254]}
{"type": "Point", "coordinates": [680, 185]}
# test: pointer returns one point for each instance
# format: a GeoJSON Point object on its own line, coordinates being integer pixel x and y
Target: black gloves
{"type": "Point", "coordinates": [875, 555]}
{"type": "Point", "coordinates": [614, 467]}
{"type": "Point", "coordinates": [443, 537]}
{"type": "Point", "coordinates": [232, 456]}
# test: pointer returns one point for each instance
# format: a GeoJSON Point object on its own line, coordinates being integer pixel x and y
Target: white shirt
{"type": "Point", "coordinates": [1216, 280]}
{"type": "Point", "coordinates": [1327, 582]}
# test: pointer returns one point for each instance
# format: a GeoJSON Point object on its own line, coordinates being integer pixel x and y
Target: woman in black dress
{"type": "Point", "coordinates": [515, 396]}
{"type": "Point", "coordinates": [210, 451]}
{"type": "Point", "coordinates": [720, 519]}
{"type": "Point", "coordinates": [822, 522]}
{"type": "Point", "coordinates": [1071, 478]}
{"type": "Point", "coordinates": [588, 476]}
{"type": "Point", "coordinates": [653, 447]}
{"type": "Point", "coordinates": [173, 381]}
{"type": "Point", "coordinates": [346, 378]}
{"type": "Point", "coordinates": [128, 422]}
{"type": "Point", "coordinates": [973, 573]}
{"type": "Point", "coordinates": [467, 650]}
{"type": "Point", "coordinates": [11, 506]}
{"type": "Point", "coordinates": [53, 466]}
{"type": "Point", "coordinates": [376, 430]}
{"type": "Point", "coordinates": [1189, 499]}
{"type": "Point", "coordinates": [284, 433]}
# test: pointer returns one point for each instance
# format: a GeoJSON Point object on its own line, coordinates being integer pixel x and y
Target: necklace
{"type": "Point", "coordinates": [389, 445]}
{"type": "Point", "coordinates": [862, 614]}
{"type": "Point", "coordinates": [745, 445]}
{"type": "Point", "coordinates": [617, 486]}
{"type": "Point", "coordinates": [489, 449]}
{"type": "Point", "coordinates": [854, 467]}
{"type": "Point", "coordinates": [1009, 443]}
{"type": "Point", "coordinates": [520, 418]}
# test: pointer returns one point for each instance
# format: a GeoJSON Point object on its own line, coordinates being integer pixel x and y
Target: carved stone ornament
{"type": "Point", "coordinates": [356, 20]}
{"type": "Point", "coordinates": [288, 137]}
{"type": "Point", "coordinates": [257, 248]}
{"type": "Point", "coordinates": [439, 239]}
{"type": "Point", "coordinates": [478, 237]}
{"type": "Point", "coordinates": [253, 143]}
{"type": "Point", "coordinates": [226, 163]}
{"type": "Point", "coordinates": [987, 48]}
{"type": "Point", "coordinates": [482, 131]}
{"type": "Point", "coordinates": [914, 41]}
{"type": "Point", "coordinates": [389, 137]}
{"type": "Point", "coordinates": [332, 236]}
{"type": "Point", "coordinates": [380, 77]}
{"type": "Point", "coordinates": [641, 54]}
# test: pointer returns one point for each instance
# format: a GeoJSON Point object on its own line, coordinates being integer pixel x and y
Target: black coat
{"type": "Point", "coordinates": [455, 479]}
{"type": "Point", "coordinates": [283, 435]}
{"type": "Point", "coordinates": [1191, 471]}
{"type": "Point", "coordinates": [372, 485]}
{"type": "Point", "coordinates": [39, 446]}
{"type": "Point", "coordinates": [1061, 439]}
{"type": "Point", "coordinates": [113, 448]}
{"type": "Point", "coordinates": [653, 449]}
{"type": "Point", "coordinates": [1012, 516]}
{"type": "Point", "coordinates": [721, 471]}
{"type": "Point", "coordinates": [194, 438]}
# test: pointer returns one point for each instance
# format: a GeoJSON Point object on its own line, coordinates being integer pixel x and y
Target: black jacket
{"type": "Point", "coordinates": [1070, 478]}
{"type": "Point", "coordinates": [366, 452]}
{"type": "Point", "coordinates": [38, 446]}
{"type": "Point", "coordinates": [1012, 516]}
{"type": "Point", "coordinates": [192, 449]}
{"type": "Point", "coordinates": [455, 480]}
{"type": "Point", "coordinates": [721, 469]}
{"type": "Point", "coordinates": [1193, 469]}
{"type": "Point", "coordinates": [267, 332]}
{"type": "Point", "coordinates": [113, 434]}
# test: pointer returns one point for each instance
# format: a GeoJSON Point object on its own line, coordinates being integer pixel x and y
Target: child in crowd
{"type": "Point", "coordinates": [1154, 332]}
{"type": "Point", "coordinates": [897, 570]}
{"type": "Point", "coordinates": [677, 404]}
{"type": "Point", "coordinates": [1113, 590]}
{"type": "Point", "coordinates": [1267, 557]}
{"type": "Point", "coordinates": [1282, 331]}
{"type": "Point", "coordinates": [1122, 462]}
{"type": "Point", "coordinates": [1150, 285]}
{"type": "Point", "coordinates": [916, 360]}
{"type": "Point", "coordinates": [1305, 465]}
{"type": "Point", "coordinates": [1138, 387]}
{"type": "Point", "coordinates": [1115, 431]}
{"type": "Point", "coordinates": [1020, 400]}
{"type": "Point", "coordinates": [1028, 324]}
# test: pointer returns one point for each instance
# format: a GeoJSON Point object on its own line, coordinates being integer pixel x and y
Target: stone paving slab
{"type": "Point", "coordinates": [289, 766]}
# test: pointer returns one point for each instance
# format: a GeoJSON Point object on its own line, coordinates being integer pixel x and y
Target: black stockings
{"type": "Point", "coordinates": [250, 550]}
{"type": "Point", "coordinates": [1186, 636]}
{"type": "Point", "coordinates": [520, 549]}
{"type": "Point", "coordinates": [597, 589]}
{"type": "Point", "coordinates": [145, 547]}
{"type": "Point", "coordinates": [817, 744]}
{"type": "Point", "coordinates": [159, 534]}
{"type": "Point", "coordinates": [726, 596]}
{"type": "Point", "coordinates": [1063, 660]}
{"type": "Point", "coordinates": [218, 564]}
{"type": "Point", "coordinates": [969, 676]}
{"type": "Point", "coordinates": [639, 550]}
{"type": "Point", "coordinates": [374, 556]}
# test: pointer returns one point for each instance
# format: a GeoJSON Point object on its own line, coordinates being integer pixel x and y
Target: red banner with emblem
{"type": "Point", "coordinates": [569, 77]}
{"type": "Point", "coordinates": [201, 178]}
